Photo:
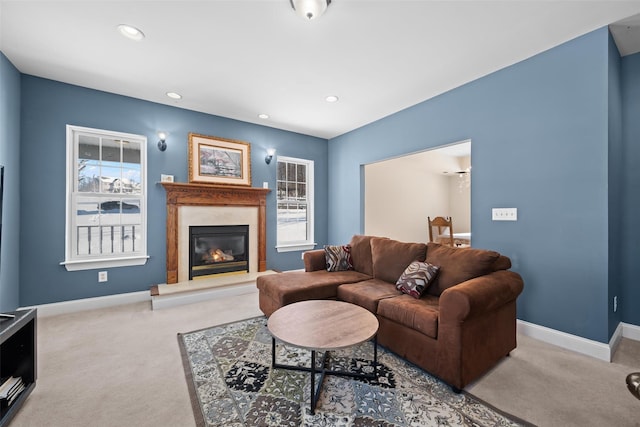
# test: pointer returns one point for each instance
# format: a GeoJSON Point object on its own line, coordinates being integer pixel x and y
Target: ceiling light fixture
{"type": "Point", "coordinates": [310, 9]}
{"type": "Point", "coordinates": [174, 95]}
{"type": "Point", "coordinates": [331, 98]}
{"type": "Point", "coordinates": [130, 32]}
{"type": "Point", "coordinates": [263, 116]}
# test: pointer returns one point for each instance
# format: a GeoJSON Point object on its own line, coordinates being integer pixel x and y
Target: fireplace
{"type": "Point", "coordinates": [205, 204]}
{"type": "Point", "coordinates": [216, 249]}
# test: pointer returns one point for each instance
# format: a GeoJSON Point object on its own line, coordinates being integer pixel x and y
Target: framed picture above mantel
{"type": "Point", "coordinates": [214, 160]}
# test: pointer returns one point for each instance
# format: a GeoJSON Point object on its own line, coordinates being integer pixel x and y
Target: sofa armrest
{"type": "Point", "coordinates": [314, 260]}
{"type": "Point", "coordinates": [481, 295]}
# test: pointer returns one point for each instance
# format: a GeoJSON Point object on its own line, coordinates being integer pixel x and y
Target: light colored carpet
{"type": "Point", "coordinates": [121, 367]}
{"type": "Point", "coordinates": [550, 386]}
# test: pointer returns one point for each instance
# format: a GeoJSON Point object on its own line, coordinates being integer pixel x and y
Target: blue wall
{"type": "Point", "coordinates": [10, 159]}
{"type": "Point", "coordinates": [48, 106]}
{"type": "Point", "coordinates": [630, 214]}
{"type": "Point", "coordinates": [539, 130]}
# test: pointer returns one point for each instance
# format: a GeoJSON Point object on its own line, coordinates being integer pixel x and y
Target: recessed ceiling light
{"type": "Point", "coordinates": [331, 98]}
{"type": "Point", "coordinates": [174, 95]}
{"type": "Point", "coordinates": [130, 32]}
{"type": "Point", "coordinates": [263, 116]}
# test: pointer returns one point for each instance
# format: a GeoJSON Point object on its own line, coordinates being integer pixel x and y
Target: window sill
{"type": "Point", "coordinates": [91, 264]}
{"type": "Point", "coordinates": [297, 247]}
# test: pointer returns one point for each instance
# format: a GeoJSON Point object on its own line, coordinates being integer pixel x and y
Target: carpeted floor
{"type": "Point", "coordinates": [231, 382]}
{"type": "Point", "coordinates": [121, 366]}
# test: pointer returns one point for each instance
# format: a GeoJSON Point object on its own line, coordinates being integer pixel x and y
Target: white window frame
{"type": "Point", "coordinates": [309, 243]}
{"type": "Point", "coordinates": [74, 262]}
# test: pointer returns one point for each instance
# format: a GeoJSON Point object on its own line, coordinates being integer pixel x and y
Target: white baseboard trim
{"type": "Point", "coordinates": [64, 307]}
{"type": "Point", "coordinates": [578, 344]}
{"type": "Point", "coordinates": [562, 339]}
{"type": "Point", "coordinates": [615, 340]}
{"type": "Point", "coordinates": [55, 308]}
{"type": "Point", "coordinates": [173, 300]}
{"type": "Point", "coordinates": [630, 331]}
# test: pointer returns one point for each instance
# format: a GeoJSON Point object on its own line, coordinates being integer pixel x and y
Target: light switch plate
{"type": "Point", "coordinates": [504, 214]}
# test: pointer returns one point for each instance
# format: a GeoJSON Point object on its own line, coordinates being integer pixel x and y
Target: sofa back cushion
{"type": "Point", "coordinates": [458, 265]}
{"type": "Point", "coordinates": [391, 257]}
{"type": "Point", "coordinates": [502, 263]}
{"type": "Point", "coordinates": [361, 253]}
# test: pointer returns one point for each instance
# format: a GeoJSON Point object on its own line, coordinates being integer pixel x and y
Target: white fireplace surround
{"type": "Point", "coordinates": [215, 215]}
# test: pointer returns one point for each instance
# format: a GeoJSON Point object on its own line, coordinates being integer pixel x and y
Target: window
{"type": "Point", "coordinates": [106, 199]}
{"type": "Point", "coordinates": [295, 204]}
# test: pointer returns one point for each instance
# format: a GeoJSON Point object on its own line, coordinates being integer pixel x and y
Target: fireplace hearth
{"type": "Point", "coordinates": [217, 249]}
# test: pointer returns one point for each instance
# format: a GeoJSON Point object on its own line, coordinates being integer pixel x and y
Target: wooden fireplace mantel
{"type": "Point", "coordinates": [183, 194]}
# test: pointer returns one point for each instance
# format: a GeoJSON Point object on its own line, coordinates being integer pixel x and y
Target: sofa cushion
{"type": "Point", "coordinates": [367, 294]}
{"type": "Point", "coordinates": [391, 257]}
{"type": "Point", "coordinates": [297, 286]}
{"type": "Point", "coordinates": [338, 258]}
{"type": "Point", "coordinates": [502, 263]}
{"type": "Point", "coordinates": [416, 278]}
{"type": "Point", "coordinates": [361, 253]}
{"type": "Point", "coordinates": [458, 265]}
{"type": "Point", "coordinates": [418, 314]}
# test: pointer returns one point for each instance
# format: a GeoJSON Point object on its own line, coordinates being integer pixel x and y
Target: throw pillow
{"type": "Point", "coordinates": [416, 278]}
{"type": "Point", "coordinates": [338, 258]}
{"type": "Point", "coordinates": [458, 265]}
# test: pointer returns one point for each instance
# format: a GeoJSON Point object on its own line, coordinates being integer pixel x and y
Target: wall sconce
{"type": "Point", "coordinates": [269, 156]}
{"type": "Point", "coordinates": [162, 144]}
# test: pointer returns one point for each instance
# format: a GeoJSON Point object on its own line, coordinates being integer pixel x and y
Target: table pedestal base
{"type": "Point", "coordinates": [315, 390]}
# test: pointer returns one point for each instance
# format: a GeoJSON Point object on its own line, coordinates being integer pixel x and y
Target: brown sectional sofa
{"type": "Point", "coordinates": [460, 327]}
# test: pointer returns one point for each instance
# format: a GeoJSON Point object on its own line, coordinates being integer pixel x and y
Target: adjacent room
{"type": "Point", "coordinates": [319, 212]}
{"type": "Point", "coordinates": [444, 173]}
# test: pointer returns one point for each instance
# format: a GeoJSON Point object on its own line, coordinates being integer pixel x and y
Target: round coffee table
{"type": "Point", "coordinates": [322, 325]}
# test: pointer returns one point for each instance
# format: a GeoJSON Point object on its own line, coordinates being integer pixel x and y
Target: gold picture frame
{"type": "Point", "coordinates": [215, 160]}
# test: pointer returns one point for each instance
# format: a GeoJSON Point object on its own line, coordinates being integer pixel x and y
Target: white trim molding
{"type": "Point", "coordinates": [292, 248]}
{"type": "Point", "coordinates": [76, 259]}
{"type": "Point", "coordinates": [578, 344]}
{"type": "Point", "coordinates": [630, 331]}
{"type": "Point", "coordinates": [168, 301]}
{"type": "Point", "coordinates": [283, 244]}
{"type": "Point", "coordinates": [64, 307]}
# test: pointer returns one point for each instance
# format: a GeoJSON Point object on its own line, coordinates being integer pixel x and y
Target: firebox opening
{"type": "Point", "coordinates": [217, 249]}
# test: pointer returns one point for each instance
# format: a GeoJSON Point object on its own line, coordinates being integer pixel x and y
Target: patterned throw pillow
{"type": "Point", "coordinates": [416, 278]}
{"type": "Point", "coordinates": [338, 258]}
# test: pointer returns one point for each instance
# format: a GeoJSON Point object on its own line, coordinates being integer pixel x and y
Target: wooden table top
{"type": "Point", "coordinates": [322, 324]}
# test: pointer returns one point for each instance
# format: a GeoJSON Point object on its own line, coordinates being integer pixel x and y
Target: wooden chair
{"type": "Point", "coordinates": [444, 226]}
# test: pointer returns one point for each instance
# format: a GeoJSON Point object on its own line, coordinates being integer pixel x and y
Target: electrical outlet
{"type": "Point", "coordinates": [615, 303]}
{"type": "Point", "coordinates": [504, 214]}
{"type": "Point", "coordinates": [102, 276]}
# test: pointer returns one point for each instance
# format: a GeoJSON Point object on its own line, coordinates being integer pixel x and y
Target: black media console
{"type": "Point", "coordinates": [17, 358]}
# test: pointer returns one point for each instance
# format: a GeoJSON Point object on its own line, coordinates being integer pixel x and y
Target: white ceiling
{"type": "Point", "coordinates": [240, 58]}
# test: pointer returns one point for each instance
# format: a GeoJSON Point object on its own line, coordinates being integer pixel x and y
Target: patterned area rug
{"type": "Point", "coordinates": [231, 382]}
